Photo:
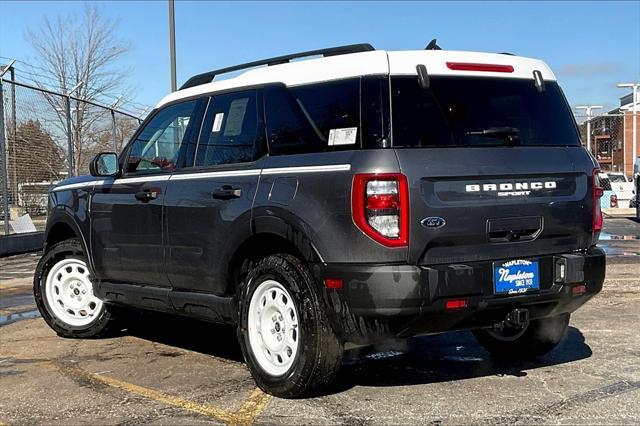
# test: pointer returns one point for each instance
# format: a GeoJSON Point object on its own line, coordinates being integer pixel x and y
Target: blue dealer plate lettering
{"type": "Point", "coordinates": [516, 276]}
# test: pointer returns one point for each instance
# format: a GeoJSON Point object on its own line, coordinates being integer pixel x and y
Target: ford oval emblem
{"type": "Point", "coordinates": [433, 222]}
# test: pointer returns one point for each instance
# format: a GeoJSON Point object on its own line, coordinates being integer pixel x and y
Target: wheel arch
{"type": "Point", "coordinates": [272, 235]}
{"type": "Point", "coordinates": [61, 226]}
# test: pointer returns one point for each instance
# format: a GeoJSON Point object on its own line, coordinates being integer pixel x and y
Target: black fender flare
{"type": "Point", "coordinates": [61, 215]}
{"type": "Point", "coordinates": [295, 233]}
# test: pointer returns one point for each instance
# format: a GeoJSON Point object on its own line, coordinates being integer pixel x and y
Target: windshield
{"type": "Point", "coordinates": [617, 178]}
{"type": "Point", "coordinates": [474, 111]}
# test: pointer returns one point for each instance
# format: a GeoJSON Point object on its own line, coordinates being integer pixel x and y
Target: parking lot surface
{"type": "Point", "coordinates": [166, 370]}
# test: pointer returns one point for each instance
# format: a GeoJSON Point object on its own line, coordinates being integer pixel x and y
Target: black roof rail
{"type": "Point", "coordinates": [208, 77]}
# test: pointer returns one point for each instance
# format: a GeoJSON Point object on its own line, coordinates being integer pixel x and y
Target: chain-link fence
{"type": "Point", "coordinates": [46, 137]}
{"type": "Point", "coordinates": [605, 136]}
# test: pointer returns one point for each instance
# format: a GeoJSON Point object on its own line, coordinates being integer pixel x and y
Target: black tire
{"type": "Point", "coordinates": [104, 318]}
{"type": "Point", "coordinates": [319, 353]}
{"type": "Point", "coordinates": [539, 337]}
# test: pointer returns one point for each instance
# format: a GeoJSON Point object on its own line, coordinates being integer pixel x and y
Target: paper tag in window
{"type": "Point", "coordinates": [217, 122]}
{"type": "Point", "coordinates": [346, 136]}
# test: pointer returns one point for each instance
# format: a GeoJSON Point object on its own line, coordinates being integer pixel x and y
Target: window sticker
{"type": "Point", "coordinates": [217, 122]}
{"type": "Point", "coordinates": [237, 110]}
{"type": "Point", "coordinates": [346, 136]}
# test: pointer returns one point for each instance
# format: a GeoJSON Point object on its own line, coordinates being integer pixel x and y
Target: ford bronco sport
{"type": "Point", "coordinates": [340, 200]}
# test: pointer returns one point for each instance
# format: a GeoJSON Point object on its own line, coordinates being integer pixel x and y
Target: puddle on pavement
{"type": "Point", "coordinates": [8, 319]}
{"type": "Point", "coordinates": [605, 236]}
{"type": "Point", "coordinates": [617, 251]}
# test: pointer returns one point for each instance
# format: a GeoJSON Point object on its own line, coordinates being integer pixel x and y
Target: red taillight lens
{"type": "Point", "coordinates": [455, 304]}
{"type": "Point", "coordinates": [597, 211]}
{"type": "Point", "coordinates": [380, 207]}
{"type": "Point", "coordinates": [333, 283]}
{"type": "Point", "coordinates": [465, 66]}
{"type": "Point", "coordinates": [579, 289]}
{"type": "Point", "coordinates": [613, 201]}
{"type": "Point", "coordinates": [383, 201]}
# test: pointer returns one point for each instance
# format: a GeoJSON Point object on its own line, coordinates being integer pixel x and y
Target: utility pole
{"type": "Point", "coordinates": [589, 109]}
{"type": "Point", "coordinates": [634, 136]}
{"type": "Point", "coordinates": [172, 45]}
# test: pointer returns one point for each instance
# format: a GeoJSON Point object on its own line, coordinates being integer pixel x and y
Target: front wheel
{"type": "Point", "coordinates": [534, 339]}
{"type": "Point", "coordinates": [64, 293]}
{"type": "Point", "coordinates": [287, 342]}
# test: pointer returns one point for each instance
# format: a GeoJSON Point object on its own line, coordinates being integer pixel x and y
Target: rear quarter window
{"type": "Point", "coordinates": [330, 116]}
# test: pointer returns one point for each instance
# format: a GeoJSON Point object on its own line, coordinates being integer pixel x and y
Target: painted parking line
{"type": "Point", "coordinates": [246, 415]}
{"type": "Point", "coordinates": [252, 407]}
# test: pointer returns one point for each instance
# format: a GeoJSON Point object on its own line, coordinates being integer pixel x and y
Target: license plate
{"type": "Point", "coordinates": [516, 276]}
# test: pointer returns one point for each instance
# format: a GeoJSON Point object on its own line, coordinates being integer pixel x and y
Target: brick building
{"type": "Point", "coordinates": [612, 137]}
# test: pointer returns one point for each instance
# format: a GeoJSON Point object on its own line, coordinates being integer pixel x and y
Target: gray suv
{"type": "Point", "coordinates": [341, 200]}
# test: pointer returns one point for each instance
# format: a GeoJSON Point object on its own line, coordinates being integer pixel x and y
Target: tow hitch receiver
{"type": "Point", "coordinates": [517, 318]}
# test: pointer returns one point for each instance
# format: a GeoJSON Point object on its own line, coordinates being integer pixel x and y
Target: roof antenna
{"type": "Point", "coordinates": [432, 45]}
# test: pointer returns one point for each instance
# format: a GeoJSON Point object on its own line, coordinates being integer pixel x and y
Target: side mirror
{"type": "Point", "coordinates": [104, 164]}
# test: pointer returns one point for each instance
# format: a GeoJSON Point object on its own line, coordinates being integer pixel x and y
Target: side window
{"type": "Point", "coordinates": [288, 130]}
{"type": "Point", "coordinates": [231, 132]}
{"type": "Point", "coordinates": [337, 115]}
{"type": "Point", "coordinates": [333, 109]}
{"type": "Point", "coordinates": [157, 147]}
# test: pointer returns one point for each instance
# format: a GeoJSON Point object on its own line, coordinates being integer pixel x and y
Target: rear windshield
{"type": "Point", "coordinates": [464, 111]}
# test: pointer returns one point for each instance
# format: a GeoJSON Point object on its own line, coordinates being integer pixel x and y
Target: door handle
{"type": "Point", "coordinates": [146, 195]}
{"type": "Point", "coordinates": [226, 192]}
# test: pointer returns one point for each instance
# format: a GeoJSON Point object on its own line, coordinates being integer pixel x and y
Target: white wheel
{"type": "Point", "coordinates": [69, 293]}
{"type": "Point", "coordinates": [273, 328]}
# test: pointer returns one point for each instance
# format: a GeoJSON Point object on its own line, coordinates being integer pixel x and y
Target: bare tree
{"type": "Point", "coordinates": [80, 50]}
{"type": "Point", "coordinates": [125, 128]}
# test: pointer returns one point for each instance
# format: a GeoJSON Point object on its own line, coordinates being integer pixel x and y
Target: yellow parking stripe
{"type": "Point", "coordinates": [250, 409]}
{"type": "Point", "coordinates": [203, 409]}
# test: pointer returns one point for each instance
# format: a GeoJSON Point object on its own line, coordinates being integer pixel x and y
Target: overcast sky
{"type": "Point", "coordinates": [590, 45]}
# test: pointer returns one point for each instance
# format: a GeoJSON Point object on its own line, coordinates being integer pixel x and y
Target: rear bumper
{"type": "Point", "coordinates": [383, 301]}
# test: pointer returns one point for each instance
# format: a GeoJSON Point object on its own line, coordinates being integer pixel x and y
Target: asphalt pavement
{"type": "Point", "coordinates": [168, 370]}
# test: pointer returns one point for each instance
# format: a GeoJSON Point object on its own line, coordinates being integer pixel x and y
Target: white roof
{"type": "Point", "coordinates": [370, 63]}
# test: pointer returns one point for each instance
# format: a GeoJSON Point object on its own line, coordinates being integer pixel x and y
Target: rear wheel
{"type": "Point", "coordinates": [64, 293]}
{"type": "Point", "coordinates": [534, 339]}
{"type": "Point", "coordinates": [287, 342]}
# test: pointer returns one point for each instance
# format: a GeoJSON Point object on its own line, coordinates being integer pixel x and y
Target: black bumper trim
{"type": "Point", "coordinates": [381, 301]}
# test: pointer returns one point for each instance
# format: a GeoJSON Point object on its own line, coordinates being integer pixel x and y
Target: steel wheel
{"type": "Point", "coordinates": [273, 328]}
{"type": "Point", "coordinates": [69, 293]}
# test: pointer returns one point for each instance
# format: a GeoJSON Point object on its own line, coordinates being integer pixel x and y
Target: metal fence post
{"type": "Point", "coordinates": [5, 165]}
{"type": "Point", "coordinates": [69, 137]}
{"type": "Point", "coordinates": [114, 131]}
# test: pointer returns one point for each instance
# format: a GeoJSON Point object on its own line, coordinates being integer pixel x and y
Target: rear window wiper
{"type": "Point", "coordinates": [510, 134]}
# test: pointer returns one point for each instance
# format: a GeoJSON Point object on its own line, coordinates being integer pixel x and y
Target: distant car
{"type": "Point", "coordinates": [623, 188]}
{"type": "Point", "coordinates": [609, 196]}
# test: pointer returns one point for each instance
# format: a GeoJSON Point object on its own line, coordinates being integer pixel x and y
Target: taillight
{"type": "Point", "coordinates": [613, 201]}
{"type": "Point", "coordinates": [597, 211]}
{"type": "Point", "coordinates": [380, 207]}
